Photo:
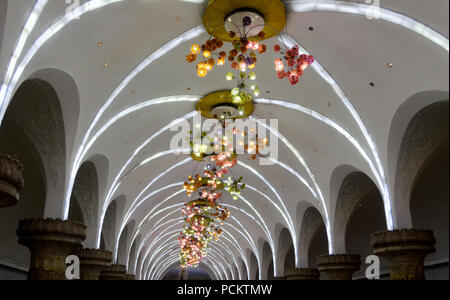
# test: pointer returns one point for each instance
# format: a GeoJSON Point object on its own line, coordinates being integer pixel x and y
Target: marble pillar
{"type": "Point", "coordinates": [339, 267]}
{"type": "Point", "coordinates": [50, 241]}
{"type": "Point", "coordinates": [405, 250]}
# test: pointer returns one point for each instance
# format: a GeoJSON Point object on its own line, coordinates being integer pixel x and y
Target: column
{"type": "Point", "coordinates": [303, 274]}
{"type": "Point", "coordinates": [339, 267]}
{"type": "Point", "coordinates": [92, 262]}
{"type": "Point", "coordinates": [114, 272]}
{"type": "Point", "coordinates": [405, 250]}
{"type": "Point", "coordinates": [11, 180]}
{"type": "Point", "coordinates": [50, 241]}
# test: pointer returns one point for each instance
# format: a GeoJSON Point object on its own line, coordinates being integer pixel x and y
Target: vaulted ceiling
{"type": "Point", "coordinates": [118, 98]}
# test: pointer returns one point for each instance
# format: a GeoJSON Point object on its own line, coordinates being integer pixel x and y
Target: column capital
{"type": "Point", "coordinates": [339, 266]}
{"type": "Point", "coordinates": [405, 250]}
{"type": "Point", "coordinates": [303, 274]}
{"type": "Point", "coordinates": [11, 180]}
{"type": "Point", "coordinates": [114, 272]}
{"type": "Point", "coordinates": [92, 262]}
{"type": "Point", "coordinates": [50, 241]}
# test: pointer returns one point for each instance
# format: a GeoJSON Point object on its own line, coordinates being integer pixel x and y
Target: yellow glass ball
{"type": "Point", "coordinates": [195, 49]}
{"type": "Point", "coordinates": [207, 54]}
{"type": "Point", "coordinates": [229, 76]}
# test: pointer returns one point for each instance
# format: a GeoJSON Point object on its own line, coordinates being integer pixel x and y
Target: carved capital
{"type": "Point", "coordinates": [11, 180]}
{"type": "Point", "coordinates": [114, 272]}
{"type": "Point", "coordinates": [405, 250]}
{"type": "Point", "coordinates": [339, 267]}
{"type": "Point", "coordinates": [50, 241]}
{"type": "Point", "coordinates": [92, 262]}
{"type": "Point", "coordinates": [303, 274]}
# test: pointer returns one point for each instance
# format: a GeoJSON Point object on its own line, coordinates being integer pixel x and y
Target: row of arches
{"type": "Point", "coordinates": [39, 129]}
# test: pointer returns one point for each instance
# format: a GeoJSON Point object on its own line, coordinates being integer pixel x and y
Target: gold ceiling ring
{"type": "Point", "coordinates": [273, 12]}
{"type": "Point", "coordinates": [207, 104]}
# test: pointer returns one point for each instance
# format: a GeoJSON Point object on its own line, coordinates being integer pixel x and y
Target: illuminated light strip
{"type": "Point", "coordinates": [311, 175]}
{"type": "Point", "coordinates": [239, 250]}
{"type": "Point", "coordinates": [281, 164]}
{"type": "Point", "coordinates": [133, 207]}
{"type": "Point", "coordinates": [212, 244]}
{"type": "Point", "coordinates": [171, 260]}
{"type": "Point", "coordinates": [342, 131]}
{"type": "Point", "coordinates": [148, 234]}
{"type": "Point", "coordinates": [143, 242]}
{"type": "Point", "coordinates": [150, 216]}
{"type": "Point", "coordinates": [212, 269]}
{"type": "Point", "coordinates": [157, 239]}
{"type": "Point", "coordinates": [145, 238]}
{"type": "Point", "coordinates": [155, 227]}
{"type": "Point", "coordinates": [330, 80]}
{"type": "Point", "coordinates": [242, 252]}
{"type": "Point", "coordinates": [161, 265]}
{"type": "Point", "coordinates": [114, 187]}
{"type": "Point", "coordinates": [289, 221]}
{"type": "Point", "coordinates": [191, 34]}
{"type": "Point", "coordinates": [182, 221]}
{"type": "Point", "coordinates": [8, 88]}
{"type": "Point", "coordinates": [246, 166]}
{"type": "Point", "coordinates": [20, 44]}
{"type": "Point", "coordinates": [369, 10]}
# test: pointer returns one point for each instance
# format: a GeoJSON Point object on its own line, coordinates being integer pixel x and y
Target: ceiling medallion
{"type": "Point", "coordinates": [219, 105]}
{"type": "Point", "coordinates": [268, 16]}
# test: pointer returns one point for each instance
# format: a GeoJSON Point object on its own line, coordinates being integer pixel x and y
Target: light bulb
{"type": "Point", "coordinates": [195, 49]}
{"type": "Point", "coordinates": [207, 53]}
{"type": "Point", "coordinates": [243, 66]}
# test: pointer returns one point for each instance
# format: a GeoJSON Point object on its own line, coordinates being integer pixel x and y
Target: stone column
{"type": "Point", "coordinates": [50, 242]}
{"type": "Point", "coordinates": [405, 250]}
{"type": "Point", "coordinates": [130, 277]}
{"type": "Point", "coordinates": [339, 267]}
{"type": "Point", "coordinates": [92, 262]}
{"type": "Point", "coordinates": [11, 180]}
{"type": "Point", "coordinates": [114, 272]}
{"type": "Point", "coordinates": [303, 274]}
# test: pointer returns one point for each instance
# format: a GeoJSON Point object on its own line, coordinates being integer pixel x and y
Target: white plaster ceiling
{"type": "Point", "coordinates": [351, 48]}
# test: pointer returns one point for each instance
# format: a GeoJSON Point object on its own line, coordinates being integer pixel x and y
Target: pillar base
{"type": "Point", "coordinates": [130, 277]}
{"type": "Point", "coordinates": [50, 241]}
{"type": "Point", "coordinates": [303, 274]}
{"type": "Point", "coordinates": [11, 180]}
{"type": "Point", "coordinates": [405, 250]}
{"type": "Point", "coordinates": [339, 267]}
{"type": "Point", "coordinates": [114, 272]}
{"type": "Point", "coordinates": [92, 262]}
